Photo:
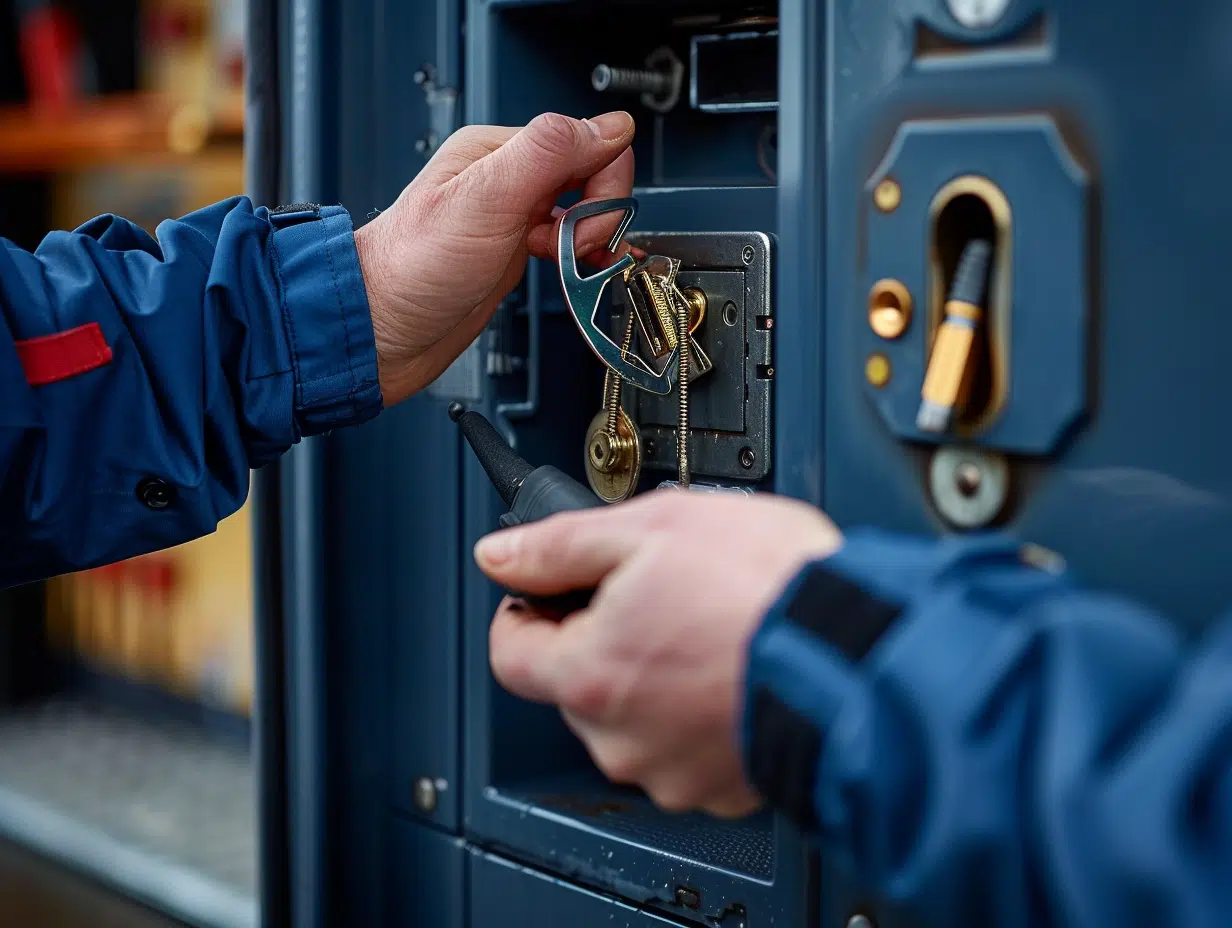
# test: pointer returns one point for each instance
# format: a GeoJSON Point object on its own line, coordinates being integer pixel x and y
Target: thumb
{"type": "Point", "coordinates": [550, 154]}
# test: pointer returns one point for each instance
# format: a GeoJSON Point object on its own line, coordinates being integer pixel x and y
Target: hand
{"type": "Point", "coordinates": [651, 675]}
{"type": "Point", "coordinates": [439, 261]}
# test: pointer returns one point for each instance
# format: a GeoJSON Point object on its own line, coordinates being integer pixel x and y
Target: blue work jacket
{"type": "Point", "coordinates": [971, 735]}
{"type": "Point", "coordinates": [141, 380]}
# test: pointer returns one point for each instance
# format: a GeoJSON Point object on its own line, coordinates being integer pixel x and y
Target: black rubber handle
{"type": "Point", "coordinates": [559, 606]}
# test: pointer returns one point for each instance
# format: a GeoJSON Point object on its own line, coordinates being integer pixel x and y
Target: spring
{"type": "Point", "coordinates": [629, 80]}
{"type": "Point", "coordinates": [612, 383]}
{"type": "Point", "coordinates": [682, 429]}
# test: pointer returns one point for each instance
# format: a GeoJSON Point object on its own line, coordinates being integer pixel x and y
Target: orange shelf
{"type": "Point", "coordinates": [108, 130]}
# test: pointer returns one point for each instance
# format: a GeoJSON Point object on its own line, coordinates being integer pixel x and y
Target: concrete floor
{"type": "Point", "coordinates": [36, 892]}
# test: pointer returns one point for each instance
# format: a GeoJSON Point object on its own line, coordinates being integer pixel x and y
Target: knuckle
{"type": "Point", "coordinates": [619, 766]}
{"type": "Point", "coordinates": [667, 509]}
{"type": "Point", "coordinates": [510, 666]}
{"type": "Point", "coordinates": [551, 547]}
{"type": "Point", "coordinates": [554, 134]}
{"type": "Point", "coordinates": [672, 798]}
{"type": "Point", "coordinates": [587, 694]}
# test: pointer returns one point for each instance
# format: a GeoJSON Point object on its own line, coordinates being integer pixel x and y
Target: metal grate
{"type": "Point", "coordinates": [745, 847]}
{"type": "Point", "coordinates": [156, 808]}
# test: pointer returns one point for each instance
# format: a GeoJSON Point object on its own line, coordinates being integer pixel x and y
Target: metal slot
{"type": "Point", "coordinates": [735, 72]}
{"type": "Point", "coordinates": [974, 207]}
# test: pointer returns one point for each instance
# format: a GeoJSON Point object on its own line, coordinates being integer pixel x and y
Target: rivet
{"type": "Point", "coordinates": [747, 458]}
{"type": "Point", "coordinates": [877, 370]}
{"type": "Point", "coordinates": [425, 794]}
{"type": "Point", "coordinates": [887, 195]}
{"type": "Point", "coordinates": [748, 254]}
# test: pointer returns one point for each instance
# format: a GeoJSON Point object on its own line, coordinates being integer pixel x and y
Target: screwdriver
{"type": "Point", "coordinates": [531, 493]}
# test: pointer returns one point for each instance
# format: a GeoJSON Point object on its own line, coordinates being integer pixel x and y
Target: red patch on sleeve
{"type": "Point", "coordinates": [51, 358]}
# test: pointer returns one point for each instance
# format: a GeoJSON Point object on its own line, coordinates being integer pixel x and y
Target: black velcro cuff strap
{"type": "Point", "coordinates": [783, 758]}
{"type": "Point", "coordinates": [843, 614]}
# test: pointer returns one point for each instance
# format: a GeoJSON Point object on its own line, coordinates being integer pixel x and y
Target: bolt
{"type": "Point", "coordinates": [748, 254]}
{"type": "Point", "coordinates": [967, 478]}
{"type": "Point", "coordinates": [887, 196]}
{"type": "Point", "coordinates": [425, 794]}
{"type": "Point", "coordinates": [747, 458]}
{"type": "Point", "coordinates": [605, 78]}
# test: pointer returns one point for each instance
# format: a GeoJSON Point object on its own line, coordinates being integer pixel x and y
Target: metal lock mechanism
{"type": "Point", "coordinates": [681, 306]}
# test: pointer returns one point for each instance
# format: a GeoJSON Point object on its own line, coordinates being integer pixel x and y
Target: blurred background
{"type": "Point", "coordinates": [125, 692]}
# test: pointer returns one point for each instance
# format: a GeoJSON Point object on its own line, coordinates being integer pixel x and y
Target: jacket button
{"type": "Point", "coordinates": [156, 493]}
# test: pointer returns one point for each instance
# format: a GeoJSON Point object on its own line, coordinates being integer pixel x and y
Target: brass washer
{"type": "Point", "coordinates": [618, 483]}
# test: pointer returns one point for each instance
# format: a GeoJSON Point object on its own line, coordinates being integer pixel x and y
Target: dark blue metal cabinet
{"type": "Point", "coordinates": [530, 791]}
{"type": "Point", "coordinates": [1103, 141]}
{"type": "Point", "coordinates": [507, 895]}
{"type": "Point", "coordinates": [1084, 141]}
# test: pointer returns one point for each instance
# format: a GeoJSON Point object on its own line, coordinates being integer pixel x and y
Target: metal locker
{"type": "Point", "coordinates": [865, 143]}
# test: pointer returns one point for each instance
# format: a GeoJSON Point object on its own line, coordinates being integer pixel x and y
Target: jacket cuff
{"type": "Point", "coordinates": [328, 322]}
{"type": "Point", "coordinates": [802, 668]}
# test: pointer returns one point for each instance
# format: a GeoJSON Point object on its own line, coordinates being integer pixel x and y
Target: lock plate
{"type": "Point", "coordinates": [731, 408]}
{"type": "Point", "coordinates": [1035, 192]}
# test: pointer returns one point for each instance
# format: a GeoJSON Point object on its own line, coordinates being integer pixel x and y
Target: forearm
{"type": "Point", "coordinates": [979, 740]}
{"type": "Point", "coordinates": [218, 347]}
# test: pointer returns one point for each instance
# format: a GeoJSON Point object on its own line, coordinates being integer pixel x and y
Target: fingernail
{"type": "Point", "coordinates": [611, 126]}
{"type": "Point", "coordinates": [497, 548]}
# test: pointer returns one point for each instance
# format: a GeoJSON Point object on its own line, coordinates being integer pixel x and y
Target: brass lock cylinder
{"type": "Point", "coordinates": [967, 377]}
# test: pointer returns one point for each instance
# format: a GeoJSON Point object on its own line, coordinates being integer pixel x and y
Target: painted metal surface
{"type": "Point", "coordinates": [1134, 494]}
{"type": "Point", "coordinates": [1138, 499]}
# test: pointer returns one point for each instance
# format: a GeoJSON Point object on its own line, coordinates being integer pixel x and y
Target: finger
{"type": "Point", "coordinates": [595, 232]}
{"type": "Point", "coordinates": [463, 148]}
{"type": "Point", "coordinates": [739, 803]}
{"type": "Point", "coordinates": [544, 658]}
{"type": "Point", "coordinates": [551, 152]}
{"type": "Point", "coordinates": [570, 551]}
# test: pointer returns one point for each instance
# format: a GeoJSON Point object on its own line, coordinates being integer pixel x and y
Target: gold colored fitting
{"type": "Point", "coordinates": [889, 308]}
{"type": "Point", "coordinates": [877, 370]}
{"type": "Point", "coordinates": [887, 195]}
{"type": "Point", "coordinates": [696, 300]}
{"type": "Point", "coordinates": [948, 377]}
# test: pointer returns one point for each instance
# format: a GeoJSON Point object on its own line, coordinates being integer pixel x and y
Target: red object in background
{"type": "Point", "coordinates": [154, 573]}
{"type": "Point", "coordinates": [50, 50]}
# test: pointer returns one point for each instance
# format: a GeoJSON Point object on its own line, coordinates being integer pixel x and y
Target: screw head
{"type": "Point", "coordinates": [967, 478]}
{"type": "Point", "coordinates": [877, 370]}
{"type": "Point", "coordinates": [887, 195]}
{"type": "Point", "coordinates": [425, 794]}
{"type": "Point", "coordinates": [748, 254]}
{"type": "Point", "coordinates": [859, 921]}
{"type": "Point", "coordinates": [747, 458]}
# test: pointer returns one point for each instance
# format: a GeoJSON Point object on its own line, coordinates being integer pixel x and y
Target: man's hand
{"type": "Point", "coordinates": [651, 675]}
{"type": "Point", "coordinates": [438, 262]}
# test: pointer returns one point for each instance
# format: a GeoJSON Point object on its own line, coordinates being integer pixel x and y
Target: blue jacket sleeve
{"type": "Point", "coordinates": [981, 742]}
{"type": "Point", "coordinates": [214, 348]}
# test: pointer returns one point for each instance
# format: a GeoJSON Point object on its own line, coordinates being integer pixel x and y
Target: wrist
{"type": "Point", "coordinates": [395, 362]}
